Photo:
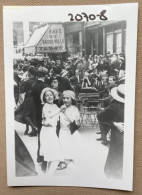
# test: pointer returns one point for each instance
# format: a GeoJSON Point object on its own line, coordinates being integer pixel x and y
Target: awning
{"type": "Point", "coordinates": [36, 36]}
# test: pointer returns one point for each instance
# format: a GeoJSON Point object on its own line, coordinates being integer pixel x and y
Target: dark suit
{"type": "Point", "coordinates": [27, 109]}
{"type": "Point", "coordinates": [114, 163]}
{"type": "Point", "coordinates": [36, 92]}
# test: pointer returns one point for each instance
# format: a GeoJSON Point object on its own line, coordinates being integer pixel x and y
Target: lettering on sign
{"type": "Point", "coordinates": [53, 40]}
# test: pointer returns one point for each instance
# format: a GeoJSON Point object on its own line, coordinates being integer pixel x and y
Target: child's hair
{"type": "Point", "coordinates": [44, 96]}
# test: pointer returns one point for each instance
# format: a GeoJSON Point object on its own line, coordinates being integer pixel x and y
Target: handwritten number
{"type": "Point", "coordinates": [79, 17]}
{"type": "Point", "coordinates": [92, 17]}
{"type": "Point", "coordinates": [71, 19]}
{"type": "Point", "coordinates": [102, 16]}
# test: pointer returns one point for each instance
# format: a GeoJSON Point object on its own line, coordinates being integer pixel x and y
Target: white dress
{"type": "Point", "coordinates": [50, 146]}
{"type": "Point", "coordinates": [70, 143]}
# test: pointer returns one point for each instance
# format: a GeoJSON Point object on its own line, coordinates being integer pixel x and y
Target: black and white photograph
{"type": "Point", "coordinates": [70, 91]}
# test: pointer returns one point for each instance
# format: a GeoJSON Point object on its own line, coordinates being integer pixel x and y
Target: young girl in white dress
{"type": "Point", "coordinates": [69, 123]}
{"type": "Point", "coordinates": [50, 147]}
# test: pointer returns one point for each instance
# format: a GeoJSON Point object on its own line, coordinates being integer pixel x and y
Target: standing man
{"type": "Point", "coordinates": [36, 92]}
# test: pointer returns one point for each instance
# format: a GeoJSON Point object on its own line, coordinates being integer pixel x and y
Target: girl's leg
{"type": "Point", "coordinates": [52, 166]}
{"type": "Point", "coordinates": [44, 166]}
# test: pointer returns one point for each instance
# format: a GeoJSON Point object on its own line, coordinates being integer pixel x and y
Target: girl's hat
{"type": "Point", "coordinates": [69, 93]}
{"type": "Point", "coordinates": [48, 89]}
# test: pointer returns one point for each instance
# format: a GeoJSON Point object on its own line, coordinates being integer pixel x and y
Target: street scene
{"type": "Point", "coordinates": [69, 90]}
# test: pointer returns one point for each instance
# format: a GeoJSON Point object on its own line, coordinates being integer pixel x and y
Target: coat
{"type": "Point", "coordinates": [114, 112]}
{"type": "Point", "coordinates": [36, 92]}
{"type": "Point", "coordinates": [27, 108]}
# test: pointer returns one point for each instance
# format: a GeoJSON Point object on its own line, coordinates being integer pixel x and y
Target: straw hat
{"type": "Point", "coordinates": [118, 93]}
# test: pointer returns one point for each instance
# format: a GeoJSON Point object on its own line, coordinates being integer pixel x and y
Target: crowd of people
{"type": "Point", "coordinates": [46, 93]}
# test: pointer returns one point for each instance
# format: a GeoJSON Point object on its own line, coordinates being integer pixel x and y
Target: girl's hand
{"type": "Point", "coordinates": [63, 108]}
{"type": "Point", "coordinates": [78, 123]}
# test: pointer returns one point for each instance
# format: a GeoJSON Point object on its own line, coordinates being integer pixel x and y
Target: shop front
{"type": "Point", "coordinates": [49, 41]}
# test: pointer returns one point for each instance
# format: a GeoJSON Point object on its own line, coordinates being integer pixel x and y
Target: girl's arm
{"type": "Point", "coordinates": [76, 118]}
{"type": "Point", "coordinates": [51, 115]}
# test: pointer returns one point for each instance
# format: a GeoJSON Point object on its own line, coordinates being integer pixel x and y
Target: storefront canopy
{"type": "Point", "coordinates": [36, 36]}
{"type": "Point", "coordinates": [47, 39]}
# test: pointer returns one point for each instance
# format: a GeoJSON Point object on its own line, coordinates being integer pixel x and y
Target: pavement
{"type": "Point", "coordinates": [92, 156]}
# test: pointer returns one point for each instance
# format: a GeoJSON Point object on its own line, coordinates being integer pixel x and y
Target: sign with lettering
{"type": "Point", "coordinates": [53, 40]}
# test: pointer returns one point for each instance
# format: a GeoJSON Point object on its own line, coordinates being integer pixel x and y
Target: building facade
{"type": "Point", "coordinates": [95, 38]}
{"type": "Point", "coordinates": [74, 38]}
{"type": "Point", "coordinates": [18, 33]}
{"type": "Point", "coordinates": [71, 39]}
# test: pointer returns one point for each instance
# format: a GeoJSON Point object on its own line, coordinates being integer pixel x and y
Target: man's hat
{"type": "Point", "coordinates": [118, 93]}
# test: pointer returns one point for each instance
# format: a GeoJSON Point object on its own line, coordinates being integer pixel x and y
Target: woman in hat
{"type": "Point", "coordinates": [60, 84]}
{"type": "Point", "coordinates": [49, 142]}
{"type": "Point", "coordinates": [69, 124]}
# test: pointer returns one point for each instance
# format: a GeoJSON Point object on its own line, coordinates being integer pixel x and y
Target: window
{"type": "Point", "coordinates": [109, 42]}
{"type": "Point", "coordinates": [118, 42]}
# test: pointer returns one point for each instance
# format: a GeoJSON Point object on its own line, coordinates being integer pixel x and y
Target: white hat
{"type": "Point", "coordinates": [69, 93]}
{"type": "Point", "coordinates": [118, 93]}
{"type": "Point", "coordinates": [48, 89]}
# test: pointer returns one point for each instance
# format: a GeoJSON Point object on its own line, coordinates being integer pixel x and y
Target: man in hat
{"type": "Point", "coordinates": [36, 92]}
{"type": "Point", "coordinates": [114, 112]}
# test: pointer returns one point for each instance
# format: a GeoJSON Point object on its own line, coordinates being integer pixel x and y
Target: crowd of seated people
{"type": "Point", "coordinates": [86, 72]}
